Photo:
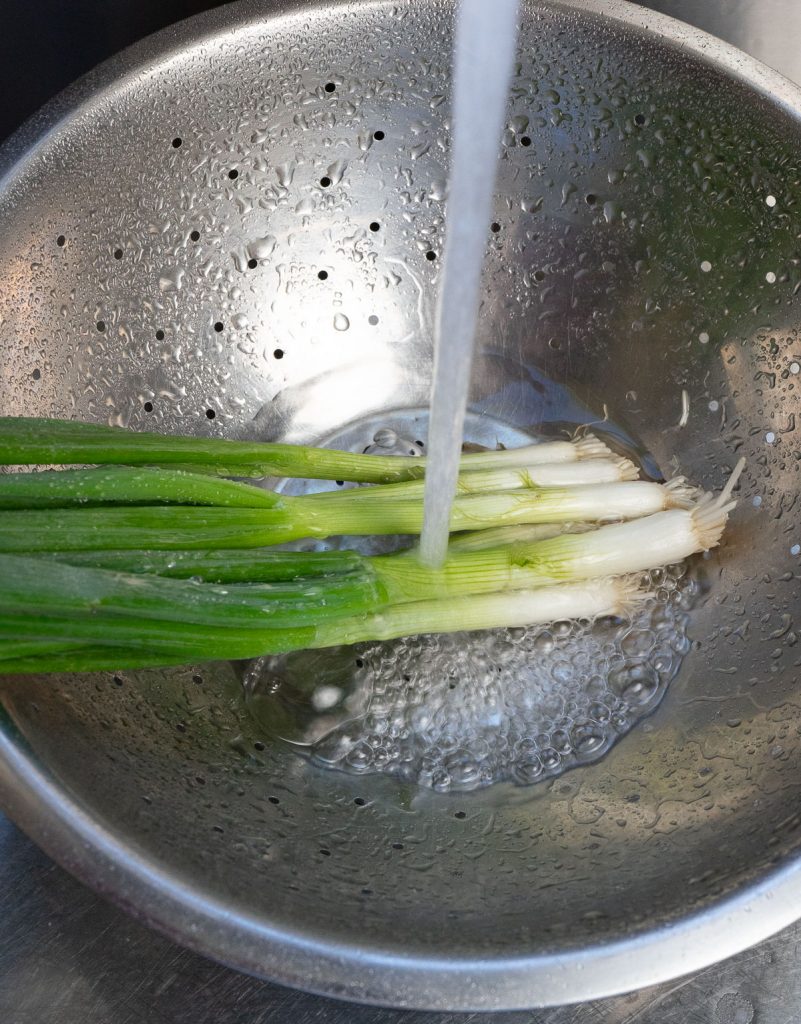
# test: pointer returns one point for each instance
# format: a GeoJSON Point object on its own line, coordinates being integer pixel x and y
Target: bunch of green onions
{"type": "Point", "coordinates": [152, 556]}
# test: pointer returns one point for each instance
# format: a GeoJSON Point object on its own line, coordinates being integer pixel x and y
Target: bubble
{"type": "Point", "coordinates": [635, 684]}
{"type": "Point", "coordinates": [528, 770]}
{"type": "Point", "coordinates": [550, 759]}
{"type": "Point", "coordinates": [770, 437]}
{"type": "Point", "coordinates": [360, 757]}
{"type": "Point", "coordinates": [637, 643]}
{"type": "Point", "coordinates": [341, 322]}
{"type": "Point", "coordinates": [587, 738]}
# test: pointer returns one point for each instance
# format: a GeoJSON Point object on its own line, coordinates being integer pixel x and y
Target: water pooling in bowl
{"type": "Point", "coordinates": [456, 712]}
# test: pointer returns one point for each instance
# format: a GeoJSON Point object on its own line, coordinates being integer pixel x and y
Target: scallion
{"type": "Point", "coordinates": [32, 441]}
{"type": "Point", "coordinates": [192, 528]}
{"type": "Point", "coordinates": [595, 599]}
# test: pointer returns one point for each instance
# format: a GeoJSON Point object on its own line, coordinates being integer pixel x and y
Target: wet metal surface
{"type": "Point", "coordinates": [66, 955]}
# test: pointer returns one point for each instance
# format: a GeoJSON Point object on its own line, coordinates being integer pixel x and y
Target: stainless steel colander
{"type": "Point", "coordinates": [233, 229]}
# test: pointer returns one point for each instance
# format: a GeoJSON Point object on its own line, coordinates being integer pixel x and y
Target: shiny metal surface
{"type": "Point", "coordinates": [679, 847]}
{"type": "Point", "coordinates": [766, 29]}
{"type": "Point", "coordinates": [68, 956]}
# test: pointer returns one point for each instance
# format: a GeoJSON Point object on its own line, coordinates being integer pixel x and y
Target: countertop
{"type": "Point", "coordinates": [68, 956]}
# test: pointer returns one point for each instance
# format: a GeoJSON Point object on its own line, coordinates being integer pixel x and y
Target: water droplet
{"type": "Point", "coordinates": [261, 248]}
{"type": "Point", "coordinates": [611, 211]}
{"type": "Point", "coordinates": [706, 266]}
{"type": "Point", "coordinates": [341, 322]}
{"type": "Point", "coordinates": [336, 171]}
{"type": "Point", "coordinates": [531, 204]}
{"type": "Point", "coordinates": [171, 280]}
{"type": "Point", "coordinates": [285, 173]}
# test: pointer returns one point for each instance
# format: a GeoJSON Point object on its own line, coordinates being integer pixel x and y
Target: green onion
{"type": "Point", "coordinates": [192, 528]}
{"type": "Point", "coordinates": [249, 565]}
{"type": "Point", "coordinates": [65, 589]}
{"type": "Point", "coordinates": [566, 474]}
{"type": "Point", "coordinates": [266, 565]}
{"type": "Point", "coordinates": [592, 600]}
{"type": "Point", "coordinates": [621, 548]}
{"type": "Point", "coordinates": [121, 485]}
{"type": "Point", "coordinates": [25, 441]}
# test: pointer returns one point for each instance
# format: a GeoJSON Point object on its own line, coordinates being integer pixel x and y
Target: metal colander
{"type": "Point", "coordinates": [233, 229]}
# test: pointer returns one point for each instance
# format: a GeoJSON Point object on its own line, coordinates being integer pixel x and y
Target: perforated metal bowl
{"type": "Point", "coordinates": [232, 229]}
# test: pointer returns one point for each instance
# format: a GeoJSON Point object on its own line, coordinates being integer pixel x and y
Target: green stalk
{"type": "Point", "coordinates": [159, 528]}
{"type": "Point", "coordinates": [87, 658]}
{"type": "Point", "coordinates": [66, 590]}
{"type": "Point", "coordinates": [34, 441]}
{"type": "Point", "coordinates": [150, 639]}
{"type": "Point", "coordinates": [122, 485]}
{"type": "Point", "coordinates": [41, 441]}
{"type": "Point", "coordinates": [249, 565]}
{"type": "Point", "coordinates": [36, 648]}
{"type": "Point", "coordinates": [188, 528]}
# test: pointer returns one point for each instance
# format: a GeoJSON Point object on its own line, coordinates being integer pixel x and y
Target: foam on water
{"type": "Point", "coordinates": [461, 711]}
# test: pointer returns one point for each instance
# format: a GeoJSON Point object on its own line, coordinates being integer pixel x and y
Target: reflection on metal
{"type": "Point", "coordinates": [635, 151]}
